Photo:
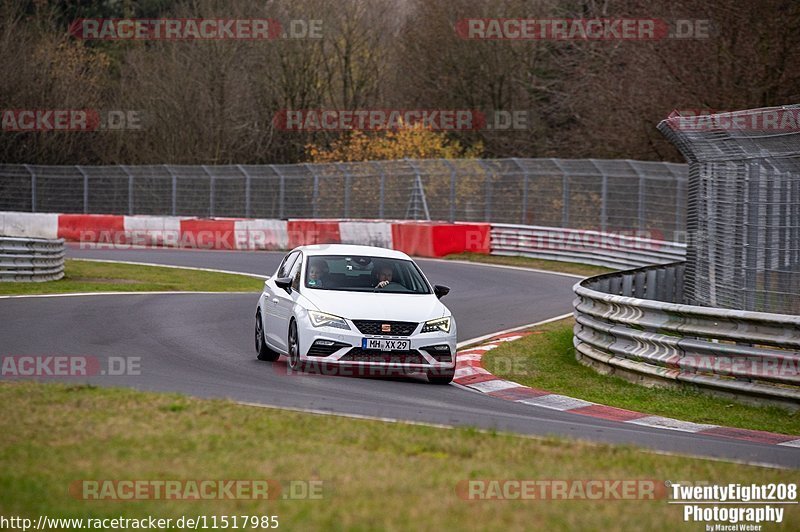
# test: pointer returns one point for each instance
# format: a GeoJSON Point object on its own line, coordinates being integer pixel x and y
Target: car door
{"type": "Point", "coordinates": [274, 328]}
{"type": "Point", "coordinates": [286, 301]}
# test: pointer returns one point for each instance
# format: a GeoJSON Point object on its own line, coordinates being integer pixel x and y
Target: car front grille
{"type": "Point", "coordinates": [375, 327]}
{"type": "Point", "coordinates": [390, 357]}
{"type": "Point", "coordinates": [319, 349]}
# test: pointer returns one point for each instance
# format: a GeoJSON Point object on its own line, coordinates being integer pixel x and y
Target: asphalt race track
{"type": "Point", "coordinates": [202, 344]}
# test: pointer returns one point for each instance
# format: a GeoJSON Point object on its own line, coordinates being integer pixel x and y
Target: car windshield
{"type": "Point", "coordinates": [351, 273]}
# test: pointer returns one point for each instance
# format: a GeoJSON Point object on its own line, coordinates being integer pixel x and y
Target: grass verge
{"type": "Point", "coordinates": [575, 268]}
{"type": "Point", "coordinates": [546, 360]}
{"type": "Point", "coordinates": [87, 276]}
{"type": "Point", "coordinates": [374, 475]}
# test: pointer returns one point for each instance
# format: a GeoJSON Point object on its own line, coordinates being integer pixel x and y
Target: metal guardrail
{"type": "Point", "coordinates": [612, 250]}
{"type": "Point", "coordinates": [630, 323]}
{"type": "Point", "coordinates": [31, 259]}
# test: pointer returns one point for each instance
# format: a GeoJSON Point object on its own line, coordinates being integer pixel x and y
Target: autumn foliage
{"type": "Point", "coordinates": [412, 142]}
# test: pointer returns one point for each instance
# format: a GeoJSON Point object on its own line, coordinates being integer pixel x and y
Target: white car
{"type": "Point", "coordinates": [355, 306]}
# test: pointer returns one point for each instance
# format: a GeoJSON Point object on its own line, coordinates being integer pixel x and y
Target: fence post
{"type": "Point", "coordinates": [174, 205]}
{"type": "Point", "coordinates": [452, 217]}
{"type": "Point", "coordinates": [564, 194]}
{"type": "Point", "coordinates": [753, 244]}
{"type": "Point", "coordinates": [130, 188]}
{"type": "Point", "coordinates": [641, 209]}
{"type": "Point", "coordinates": [315, 190]}
{"type": "Point", "coordinates": [680, 216]}
{"type": "Point", "coordinates": [603, 195]}
{"type": "Point", "coordinates": [33, 187]}
{"type": "Point", "coordinates": [281, 191]}
{"type": "Point", "coordinates": [382, 200]}
{"type": "Point", "coordinates": [347, 186]}
{"type": "Point", "coordinates": [247, 184]}
{"type": "Point", "coordinates": [211, 191]}
{"type": "Point", "coordinates": [641, 206]}
{"type": "Point", "coordinates": [524, 214]}
{"type": "Point", "coordinates": [487, 214]}
{"type": "Point", "coordinates": [793, 192]}
{"type": "Point", "coordinates": [85, 189]}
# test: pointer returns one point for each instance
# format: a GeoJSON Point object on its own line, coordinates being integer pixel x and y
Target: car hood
{"type": "Point", "coordinates": [377, 306]}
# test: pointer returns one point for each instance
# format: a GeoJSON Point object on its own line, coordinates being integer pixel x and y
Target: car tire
{"type": "Point", "coordinates": [293, 347]}
{"type": "Point", "coordinates": [441, 376]}
{"type": "Point", "coordinates": [264, 352]}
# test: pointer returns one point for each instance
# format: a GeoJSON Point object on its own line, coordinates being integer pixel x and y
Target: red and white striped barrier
{"type": "Point", "coordinates": [422, 239]}
{"type": "Point", "coordinates": [471, 374]}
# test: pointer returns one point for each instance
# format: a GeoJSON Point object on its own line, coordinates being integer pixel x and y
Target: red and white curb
{"type": "Point", "coordinates": [471, 374]}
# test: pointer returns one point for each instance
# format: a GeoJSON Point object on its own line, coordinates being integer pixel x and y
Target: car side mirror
{"type": "Point", "coordinates": [441, 290]}
{"type": "Point", "coordinates": [285, 283]}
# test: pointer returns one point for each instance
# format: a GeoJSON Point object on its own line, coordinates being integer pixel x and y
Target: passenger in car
{"type": "Point", "coordinates": [318, 273]}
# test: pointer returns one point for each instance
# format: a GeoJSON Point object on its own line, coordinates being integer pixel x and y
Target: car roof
{"type": "Point", "coordinates": [350, 249]}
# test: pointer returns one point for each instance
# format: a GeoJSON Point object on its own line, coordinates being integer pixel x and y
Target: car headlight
{"type": "Point", "coordinates": [320, 319]}
{"type": "Point", "coordinates": [439, 324]}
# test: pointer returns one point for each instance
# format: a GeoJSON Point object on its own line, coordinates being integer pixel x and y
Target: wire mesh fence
{"type": "Point", "coordinates": [743, 208]}
{"type": "Point", "coordinates": [603, 195]}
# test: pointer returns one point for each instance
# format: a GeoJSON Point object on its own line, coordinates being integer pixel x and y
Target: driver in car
{"type": "Point", "coordinates": [383, 273]}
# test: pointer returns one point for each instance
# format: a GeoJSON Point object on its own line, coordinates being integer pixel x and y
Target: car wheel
{"type": "Point", "coordinates": [441, 376]}
{"type": "Point", "coordinates": [294, 348]}
{"type": "Point", "coordinates": [264, 352]}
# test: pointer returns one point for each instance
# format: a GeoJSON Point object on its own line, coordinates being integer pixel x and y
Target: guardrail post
{"type": "Point", "coordinates": [33, 186]}
{"type": "Point", "coordinates": [85, 189]}
{"type": "Point", "coordinates": [247, 185]}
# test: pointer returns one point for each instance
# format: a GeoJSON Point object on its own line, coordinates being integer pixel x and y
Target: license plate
{"type": "Point", "coordinates": [382, 344]}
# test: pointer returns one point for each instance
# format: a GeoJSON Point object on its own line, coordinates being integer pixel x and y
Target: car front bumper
{"type": "Point", "coordinates": [427, 351]}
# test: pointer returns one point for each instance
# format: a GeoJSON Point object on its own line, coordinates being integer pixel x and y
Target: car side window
{"type": "Point", "coordinates": [286, 265]}
{"type": "Point", "coordinates": [295, 272]}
